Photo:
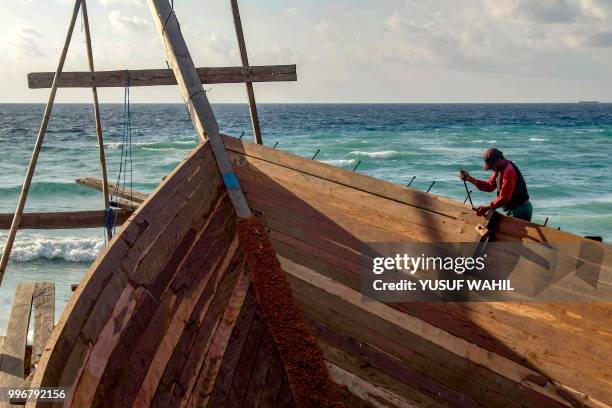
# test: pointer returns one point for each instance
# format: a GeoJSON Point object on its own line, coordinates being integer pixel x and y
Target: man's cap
{"type": "Point", "coordinates": [490, 156]}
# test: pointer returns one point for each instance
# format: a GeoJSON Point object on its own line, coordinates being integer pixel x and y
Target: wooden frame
{"type": "Point", "coordinates": [155, 77]}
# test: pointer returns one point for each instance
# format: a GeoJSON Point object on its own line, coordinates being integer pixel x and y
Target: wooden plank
{"type": "Point", "coordinates": [381, 188]}
{"type": "Point", "coordinates": [97, 184]}
{"type": "Point", "coordinates": [154, 77]}
{"type": "Point", "coordinates": [274, 379]}
{"type": "Point", "coordinates": [405, 324]}
{"type": "Point", "coordinates": [378, 397]}
{"type": "Point", "coordinates": [233, 351]}
{"type": "Point", "coordinates": [246, 364]}
{"type": "Point", "coordinates": [198, 338]}
{"type": "Point", "coordinates": [328, 200]}
{"type": "Point", "coordinates": [194, 95]}
{"type": "Point", "coordinates": [589, 341]}
{"type": "Point", "coordinates": [263, 362]}
{"type": "Point", "coordinates": [180, 321]}
{"type": "Point", "coordinates": [44, 318]}
{"type": "Point", "coordinates": [200, 387]}
{"type": "Point", "coordinates": [63, 219]}
{"type": "Point", "coordinates": [391, 376]}
{"type": "Point", "coordinates": [12, 366]}
{"type": "Point", "coordinates": [95, 290]}
{"type": "Point", "coordinates": [182, 276]}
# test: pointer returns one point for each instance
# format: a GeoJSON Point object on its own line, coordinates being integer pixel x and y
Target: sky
{"type": "Point", "coordinates": [418, 51]}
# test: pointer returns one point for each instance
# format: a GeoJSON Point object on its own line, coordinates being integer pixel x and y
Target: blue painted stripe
{"type": "Point", "coordinates": [231, 181]}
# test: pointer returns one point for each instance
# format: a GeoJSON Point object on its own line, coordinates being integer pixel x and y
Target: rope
{"type": "Point", "coordinates": [125, 162]}
{"type": "Point", "coordinates": [110, 220]}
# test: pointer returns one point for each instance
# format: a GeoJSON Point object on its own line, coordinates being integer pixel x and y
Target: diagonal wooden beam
{"type": "Point", "coordinates": [153, 77]}
{"type": "Point", "coordinates": [199, 108]}
{"type": "Point", "coordinates": [245, 62]}
{"type": "Point", "coordinates": [10, 239]}
{"type": "Point", "coordinates": [96, 184]}
{"type": "Point", "coordinates": [99, 136]}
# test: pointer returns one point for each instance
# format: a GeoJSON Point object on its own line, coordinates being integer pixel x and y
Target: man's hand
{"type": "Point", "coordinates": [482, 210]}
{"type": "Point", "coordinates": [464, 175]}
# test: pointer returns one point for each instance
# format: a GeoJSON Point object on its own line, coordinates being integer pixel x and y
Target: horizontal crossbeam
{"type": "Point", "coordinates": [63, 219]}
{"type": "Point", "coordinates": [153, 77]}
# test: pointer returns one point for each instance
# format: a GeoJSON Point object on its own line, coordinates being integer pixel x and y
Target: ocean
{"type": "Point", "coordinates": [563, 151]}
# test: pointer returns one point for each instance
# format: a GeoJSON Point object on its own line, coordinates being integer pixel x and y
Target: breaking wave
{"type": "Point", "coordinates": [385, 154]}
{"type": "Point", "coordinates": [340, 162]}
{"type": "Point", "coordinates": [67, 249]}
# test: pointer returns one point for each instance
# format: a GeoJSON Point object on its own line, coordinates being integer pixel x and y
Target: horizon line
{"type": "Point", "coordinates": [586, 102]}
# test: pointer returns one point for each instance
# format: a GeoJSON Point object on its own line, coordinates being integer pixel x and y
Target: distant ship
{"type": "Point", "coordinates": [589, 102]}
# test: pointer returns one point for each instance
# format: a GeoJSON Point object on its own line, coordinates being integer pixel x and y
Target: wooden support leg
{"type": "Point", "coordinates": [94, 91]}
{"type": "Point", "coordinates": [39, 141]}
{"type": "Point", "coordinates": [245, 62]}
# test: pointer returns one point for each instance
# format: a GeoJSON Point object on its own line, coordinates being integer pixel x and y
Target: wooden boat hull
{"type": "Point", "coordinates": [165, 316]}
{"type": "Point", "coordinates": [150, 322]}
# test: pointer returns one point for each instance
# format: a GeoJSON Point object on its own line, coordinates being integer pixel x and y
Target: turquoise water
{"type": "Point", "coordinates": [563, 150]}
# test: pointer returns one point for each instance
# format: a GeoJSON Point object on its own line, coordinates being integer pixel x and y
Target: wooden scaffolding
{"type": "Point", "coordinates": [183, 72]}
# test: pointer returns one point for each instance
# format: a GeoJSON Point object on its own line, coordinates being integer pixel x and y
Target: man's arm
{"type": "Point", "coordinates": [483, 185]}
{"type": "Point", "coordinates": [507, 188]}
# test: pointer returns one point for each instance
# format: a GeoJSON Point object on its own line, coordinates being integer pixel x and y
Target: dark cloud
{"type": "Point", "coordinates": [603, 39]}
{"type": "Point", "coordinates": [550, 11]}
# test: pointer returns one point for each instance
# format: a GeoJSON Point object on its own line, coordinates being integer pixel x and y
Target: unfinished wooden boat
{"type": "Point", "coordinates": [167, 315]}
{"type": "Point", "coordinates": [188, 305]}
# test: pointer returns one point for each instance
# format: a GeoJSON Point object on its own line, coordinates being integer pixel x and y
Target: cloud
{"type": "Point", "coordinates": [550, 11]}
{"type": "Point", "coordinates": [125, 24]}
{"type": "Point", "coordinates": [22, 42]}
{"type": "Point", "coordinates": [291, 11]}
{"type": "Point", "coordinates": [602, 39]}
{"type": "Point", "coordinates": [547, 11]}
{"type": "Point", "coordinates": [128, 2]}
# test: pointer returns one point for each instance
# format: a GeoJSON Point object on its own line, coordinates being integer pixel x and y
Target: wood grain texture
{"type": "Point", "coordinates": [12, 364]}
{"type": "Point", "coordinates": [90, 306]}
{"type": "Point", "coordinates": [310, 231]}
{"type": "Point", "coordinates": [165, 317]}
{"type": "Point", "coordinates": [155, 77]}
{"type": "Point", "coordinates": [194, 95]}
{"type": "Point", "coordinates": [98, 184]}
{"type": "Point", "coordinates": [44, 318]}
{"type": "Point", "coordinates": [63, 219]}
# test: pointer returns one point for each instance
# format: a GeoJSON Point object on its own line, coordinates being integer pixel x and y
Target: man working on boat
{"type": "Point", "coordinates": [512, 195]}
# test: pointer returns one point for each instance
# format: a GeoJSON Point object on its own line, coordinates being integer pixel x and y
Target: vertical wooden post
{"type": "Point", "coordinates": [245, 63]}
{"type": "Point", "coordinates": [94, 90]}
{"type": "Point", "coordinates": [198, 106]}
{"type": "Point", "coordinates": [10, 239]}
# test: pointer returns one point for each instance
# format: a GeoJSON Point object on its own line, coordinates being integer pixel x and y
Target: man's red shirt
{"type": "Point", "coordinates": [508, 183]}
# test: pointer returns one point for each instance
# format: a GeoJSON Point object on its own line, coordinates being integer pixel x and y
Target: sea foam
{"type": "Point", "coordinates": [385, 154]}
{"type": "Point", "coordinates": [340, 162]}
{"type": "Point", "coordinates": [68, 249]}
